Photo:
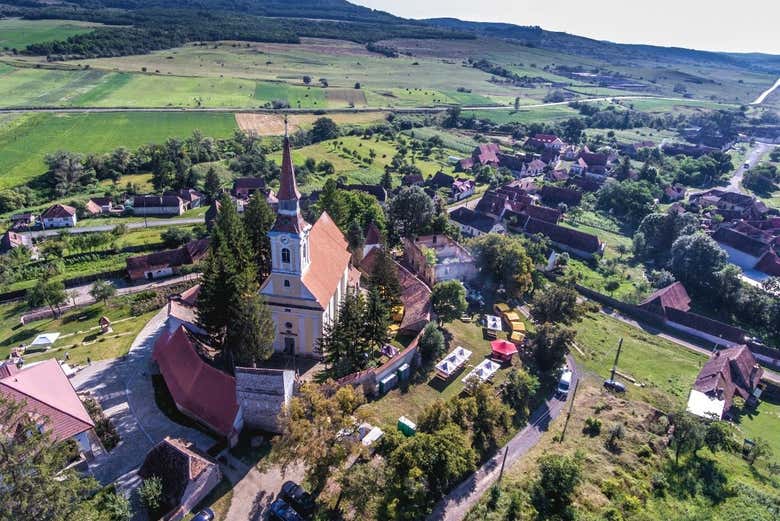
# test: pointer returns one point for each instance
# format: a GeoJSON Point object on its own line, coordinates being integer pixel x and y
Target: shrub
{"type": "Point", "coordinates": [616, 433]}
{"type": "Point", "coordinates": [592, 426]}
{"type": "Point", "coordinates": [659, 483]}
{"type": "Point", "coordinates": [150, 493]}
{"type": "Point", "coordinates": [117, 507]}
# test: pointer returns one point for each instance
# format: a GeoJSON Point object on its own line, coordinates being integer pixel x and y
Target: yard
{"type": "Point", "coordinates": [664, 371]}
{"type": "Point", "coordinates": [410, 401]}
{"type": "Point", "coordinates": [80, 334]}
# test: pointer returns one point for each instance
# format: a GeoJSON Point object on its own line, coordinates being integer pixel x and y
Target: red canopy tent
{"type": "Point", "coordinates": [503, 349]}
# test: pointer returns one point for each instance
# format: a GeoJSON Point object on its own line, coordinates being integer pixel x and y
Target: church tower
{"type": "Point", "coordinates": [290, 252]}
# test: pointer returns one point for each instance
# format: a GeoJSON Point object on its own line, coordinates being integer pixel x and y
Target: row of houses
{"type": "Point", "coordinates": [511, 208]}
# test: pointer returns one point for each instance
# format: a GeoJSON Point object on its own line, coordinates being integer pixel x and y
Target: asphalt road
{"type": "Point", "coordinates": [760, 99]}
{"type": "Point", "coordinates": [462, 498]}
{"type": "Point", "coordinates": [151, 223]}
{"type": "Point", "coordinates": [324, 111]}
{"type": "Point", "coordinates": [735, 183]}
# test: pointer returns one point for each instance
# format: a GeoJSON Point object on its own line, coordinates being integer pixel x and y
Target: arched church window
{"type": "Point", "coordinates": [286, 255]}
{"type": "Point", "coordinates": [286, 283]}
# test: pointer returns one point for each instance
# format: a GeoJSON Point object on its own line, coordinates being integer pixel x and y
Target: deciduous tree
{"type": "Point", "coordinates": [449, 300]}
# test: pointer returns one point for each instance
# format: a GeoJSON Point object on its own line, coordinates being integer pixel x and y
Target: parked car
{"type": "Point", "coordinates": [296, 496]}
{"type": "Point", "coordinates": [564, 384]}
{"type": "Point", "coordinates": [280, 510]}
{"type": "Point", "coordinates": [614, 385]}
{"type": "Point", "coordinates": [204, 515]}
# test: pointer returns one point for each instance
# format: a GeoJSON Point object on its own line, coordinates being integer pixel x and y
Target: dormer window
{"type": "Point", "coordinates": [286, 255]}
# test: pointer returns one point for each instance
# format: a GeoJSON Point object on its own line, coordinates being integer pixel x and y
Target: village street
{"type": "Point", "coordinates": [150, 223]}
{"type": "Point", "coordinates": [462, 498]}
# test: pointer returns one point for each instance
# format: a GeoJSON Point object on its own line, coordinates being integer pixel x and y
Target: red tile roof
{"type": "Point", "coordinates": [769, 264]}
{"type": "Point", "coordinates": [58, 211]}
{"type": "Point", "coordinates": [555, 194]}
{"type": "Point", "coordinates": [729, 372]}
{"type": "Point", "coordinates": [190, 253]}
{"type": "Point", "coordinates": [329, 258]}
{"type": "Point", "coordinates": [672, 296]}
{"type": "Point", "coordinates": [47, 392]}
{"type": "Point", "coordinates": [203, 391]}
{"type": "Point", "coordinates": [564, 236]}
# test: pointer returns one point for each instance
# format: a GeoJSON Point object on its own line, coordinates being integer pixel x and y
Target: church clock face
{"type": "Point", "coordinates": [284, 239]}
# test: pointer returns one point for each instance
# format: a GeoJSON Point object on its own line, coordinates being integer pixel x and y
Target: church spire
{"type": "Point", "coordinates": [288, 189]}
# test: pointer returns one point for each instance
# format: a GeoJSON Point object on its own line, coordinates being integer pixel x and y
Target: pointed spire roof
{"type": "Point", "coordinates": [288, 189]}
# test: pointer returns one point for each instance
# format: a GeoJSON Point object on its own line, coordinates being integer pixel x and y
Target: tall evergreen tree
{"type": "Point", "coordinates": [343, 343]}
{"type": "Point", "coordinates": [259, 218]}
{"type": "Point", "coordinates": [251, 335]}
{"type": "Point", "coordinates": [230, 276]}
{"type": "Point", "coordinates": [212, 183]}
{"type": "Point", "coordinates": [377, 319]}
{"type": "Point", "coordinates": [385, 277]}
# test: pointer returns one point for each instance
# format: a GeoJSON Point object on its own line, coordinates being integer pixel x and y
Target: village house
{"type": "Point", "coordinates": [462, 189]}
{"type": "Point", "coordinates": [187, 475]}
{"type": "Point", "coordinates": [533, 168]}
{"type": "Point", "coordinates": [483, 155]}
{"type": "Point", "coordinates": [474, 224]}
{"type": "Point", "coordinates": [10, 240]}
{"type": "Point", "coordinates": [244, 187]}
{"type": "Point", "coordinates": [440, 180]}
{"type": "Point", "coordinates": [372, 239]}
{"type": "Point", "coordinates": [730, 205]}
{"type": "Point", "coordinates": [191, 197]}
{"type": "Point", "coordinates": [99, 206]}
{"type": "Point", "coordinates": [554, 195]}
{"type": "Point", "coordinates": [182, 311]}
{"type": "Point", "coordinates": [200, 391]}
{"type": "Point", "coordinates": [569, 153]}
{"type": "Point", "coordinates": [46, 393]}
{"type": "Point", "coordinates": [749, 248]}
{"type": "Point", "coordinates": [728, 373]}
{"type": "Point", "coordinates": [575, 242]}
{"type": "Point", "coordinates": [540, 142]}
{"type": "Point", "coordinates": [436, 258]}
{"type": "Point", "coordinates": [310, 270]}
{"type": "Point", "coordinates": [412, 180]}
{"type": "Point", "coordinates": [165, 263]}
{"type": "Point", "coordinates": [158, 205]}
{"type": "Point", "coordinates": [22, 221]}
{"type": "Point", "coordinates": [673, 193]}
{"type": "Point", "coordinates": [59, 216]}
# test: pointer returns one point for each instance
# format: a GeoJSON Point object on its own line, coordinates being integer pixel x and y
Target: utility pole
{"type": "Point", "coordinates": [503, 462]}
{"type": "Point", "coordinates": [617, 356]}
{"type": "Point", "coordinates": [571, 406]}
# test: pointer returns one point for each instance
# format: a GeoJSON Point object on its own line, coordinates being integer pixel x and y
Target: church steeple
{"type": "Point", "coordinates": [289, 218]}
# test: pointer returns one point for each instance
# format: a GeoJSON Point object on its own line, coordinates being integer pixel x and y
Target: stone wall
{"type": "Point", "coordinates": [262, 394]}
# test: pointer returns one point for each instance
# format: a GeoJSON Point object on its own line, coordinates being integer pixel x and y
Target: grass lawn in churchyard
{"type": "Point", "coordinates": [25, 141]}
{"type": "Point", "coordinates": [80, 334]}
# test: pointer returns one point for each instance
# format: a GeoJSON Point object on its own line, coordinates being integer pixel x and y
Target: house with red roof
{"type": "Point", "coordinates": [59, 216]}
{"type": "Point", "coordinates": [200, 391]}
{"type": "Point", "coordinates": [166, 263]}
{"type": "Point", "coordinates": [50, 400]}
{"type": "Point", "coordinates": [728, 373]}
{"type": "Point", "coordinates": [310, 270]}
{"type": "Point", "coordinates": [10, 240]}
{"type": "Point", "coordinates": [485, 154]}
{"type": "Point", "coordinates": [544, 142]}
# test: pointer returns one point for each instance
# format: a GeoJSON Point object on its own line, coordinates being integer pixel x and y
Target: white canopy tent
{"type": "Point", "coordinates": [452, 362]}
{"type": "Point", "coordinates": [44, 340]}
{"type": "Point", "coordinates": [483, 371]}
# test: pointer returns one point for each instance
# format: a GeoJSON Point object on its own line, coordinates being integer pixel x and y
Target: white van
{"type": "Point", "coordinates": [564, 384]}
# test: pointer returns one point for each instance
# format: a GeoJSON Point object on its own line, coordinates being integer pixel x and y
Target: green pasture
{"type": "Point", "coordinates": [16, 33]}
{"type": "Point", "coordinates": [25, 141]}
{"type": "Point", "coordinates": [524, 115]}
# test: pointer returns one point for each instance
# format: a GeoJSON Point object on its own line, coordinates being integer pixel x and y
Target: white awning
{"type": "Point", "coordinates": [46, 339]}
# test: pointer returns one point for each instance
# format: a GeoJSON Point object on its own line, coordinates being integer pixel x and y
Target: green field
{"type": "Point", "coordinates": [16, 33]}
{"type": "Point", "coordinates": [25, 141]}
{"type": "Point", "coordinates": [524, 115]}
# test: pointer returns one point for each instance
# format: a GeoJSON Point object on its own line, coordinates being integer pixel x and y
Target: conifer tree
{"type": "Point", "coordinates": [250, 337]}
{"type": "Point", "coordinates": [377, 319]}
{"type": "Point", "coordinates": [211, 184]}
{"type": "Point", "coordinates": [259, 218]}
{"type": "Point", "coordinates": [385, 277]}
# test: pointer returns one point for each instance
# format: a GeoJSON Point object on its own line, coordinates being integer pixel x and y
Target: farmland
{"type": "Point", "coordinates": [18, 34]}
{"type": "Point", "coordinates": [25, 140]}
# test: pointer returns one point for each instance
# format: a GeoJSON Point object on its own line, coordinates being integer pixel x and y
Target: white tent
{"type": "Point", "coordinates": [706, 406]}
{"type": "Point", "coordinates": [493, 322]}
{"type": "Point", "coordinates": [45, 340]}
{"type": "Point", "coordinates": [483, 371]}
{"type": "Point", "coordinates": [452, 362]}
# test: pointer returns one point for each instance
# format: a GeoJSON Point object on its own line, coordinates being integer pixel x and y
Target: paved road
{"type": "Point", "coordinates": [411, 110]}
{"type": "Point", "coordinates": [460, 500]}
{"type": "Point", "coordinates": [123, 387]}
{"type": "Point", "coordinates": [151, 223]}
{"type": "Point", "coordinates": [760, 99]}
{"type": "Point", "coordinates": [735, 183]}
{"type": "Point", "coordinates": [254, 490]}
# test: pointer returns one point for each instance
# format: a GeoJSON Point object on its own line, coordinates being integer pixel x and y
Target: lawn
{"type": "Point", "coordinates": [664, 371]}
{"type": "Point", "coordinates": [16, 33]}
{"type": "Point", "coordinates": [635, 135]}
{"type": "Point", "coordinates": [524, 115]}
{"type": "Point", "coordinates": [412, 400]}
{"type": "Point", "coordinates": [25, 141]}
{"type": "Point", "coordinates": [81, 336]}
